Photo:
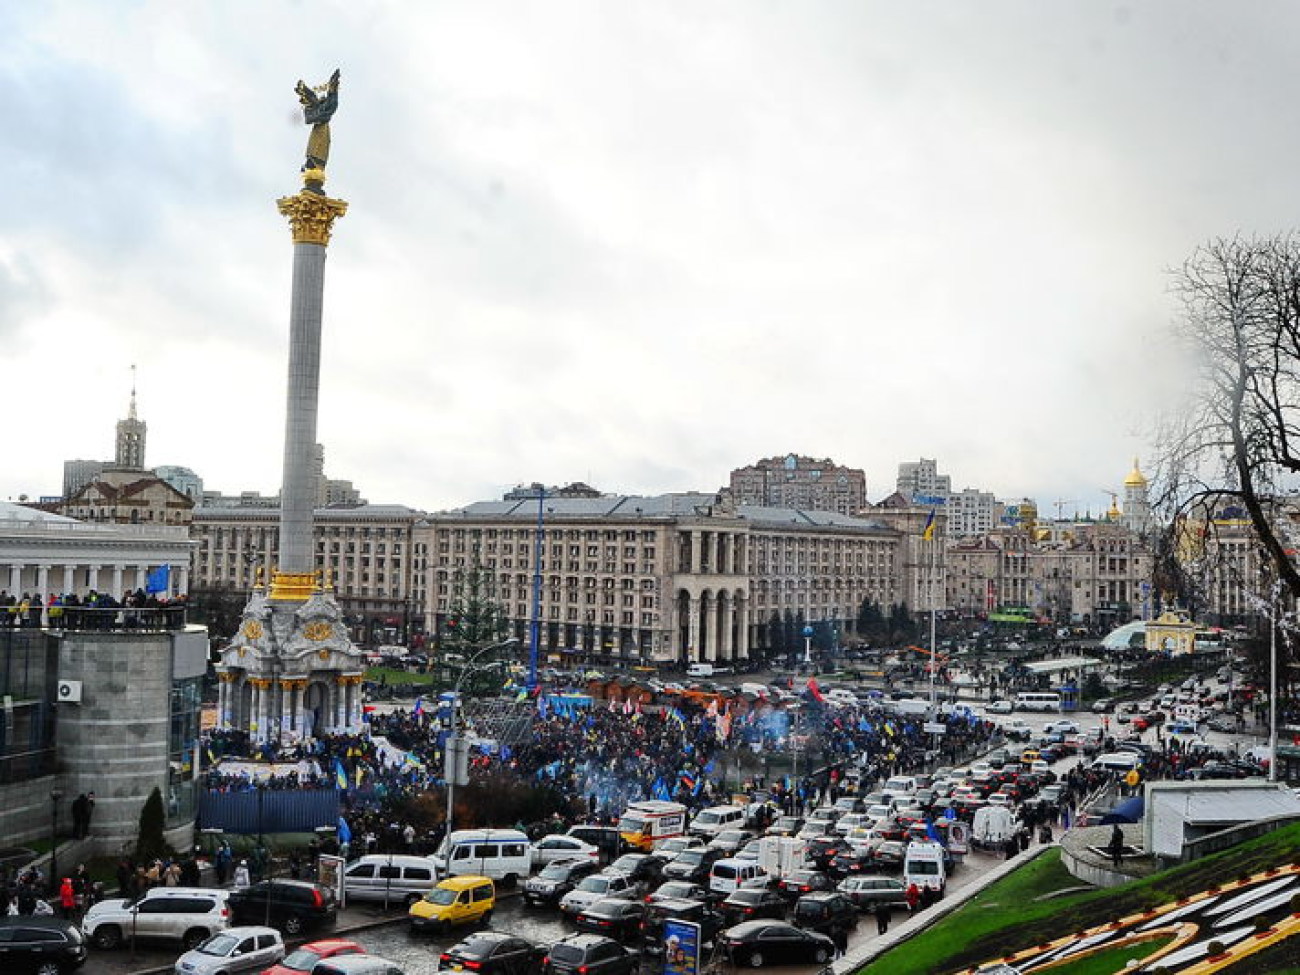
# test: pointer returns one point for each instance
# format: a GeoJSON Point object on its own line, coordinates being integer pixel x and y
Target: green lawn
{"type": "Point", "coordinates": [1112, 960]}
{"type": "Point", "coordinates": [391, 675]}
{"type": "Point", "coordinates": [1007, 917]}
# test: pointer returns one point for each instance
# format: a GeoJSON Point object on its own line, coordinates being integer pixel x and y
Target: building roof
{"type": "Point", "coordinates": [11, 512]}
{"type": "Point", "coordinates": [1207, 803]}
{"type": "Point", "coordinates": [661, 506]}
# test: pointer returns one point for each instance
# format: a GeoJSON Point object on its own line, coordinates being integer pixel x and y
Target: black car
{"type": "Point", "coordinates": [646, 869]}
{"type": "Point", "coordinates": [851, 863]}
{"type": "Point", "coordinates": [821, 850]}
{"type": "Point", "coordinates": [758, 943]}
{"type": "Point", "coordinates": [40, 944]}
{"type": "Point", "coordinates": [750, 904]}
{"type": "Point", "coordinates": [290, 905]}
{"type": "Point", "coordinates": [493, 953]}
{"type": "Point", "coordinates": [589, 954]}
{"type": "Point", "coordinates": [556, 879]}
{"type": "Point", "coordinates": [692, 865]}
{"type": "Point", "coordinates": [799, 882]}
{"type": "Point", "coordinates": [693, 911]}
{"type": "Point", "coordinates": [827, 912]}
{"type": "Point", "coordinates": [677, 890]}
{"type": "Point", "coordinates": [614, 917]}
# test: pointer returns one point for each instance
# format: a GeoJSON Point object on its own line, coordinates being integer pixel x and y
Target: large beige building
{"type": "Point", "coordinates": [369, 552]}
{"type": "Point", "coordinates": [667, 578]}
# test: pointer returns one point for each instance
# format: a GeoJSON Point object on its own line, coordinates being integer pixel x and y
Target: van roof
{"type": "Point", "coordinates": [464, 882]}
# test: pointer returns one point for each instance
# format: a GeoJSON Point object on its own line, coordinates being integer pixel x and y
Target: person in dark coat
{"type": "Point", "coordinates": [1116, 845]}
{"type": "Point", "coordinates": [882, 912]}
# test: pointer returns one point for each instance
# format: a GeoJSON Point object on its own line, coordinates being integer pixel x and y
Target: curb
{"type": "Point", "coordinates": [917, 923]}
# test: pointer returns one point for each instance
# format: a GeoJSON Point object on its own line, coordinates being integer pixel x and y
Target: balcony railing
{"type": "Point", "coordinates": [135, 619]}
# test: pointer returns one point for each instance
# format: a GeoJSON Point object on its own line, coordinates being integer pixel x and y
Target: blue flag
{"type": "Point", "coordinates": [159, 579]}
{"type": "Point", "coordinates": [345, 831]}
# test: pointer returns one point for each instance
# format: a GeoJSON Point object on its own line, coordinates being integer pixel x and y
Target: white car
{"type": "Point", "coordinates": [1001, 707]}
{"type": "Point", "coordinates": [243, 949]}
{"type": "Point", "coordinates": [597, 887]}
{"type": "Point", "coordinates": [560, 847]}
{"type": "Point", "coordinates": [674, 845]}
{"type": "Point", "coordinates": [187, 915]}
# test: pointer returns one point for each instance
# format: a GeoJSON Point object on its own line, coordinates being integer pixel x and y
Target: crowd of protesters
{"type": "Point", "coordinates": [94, 610]}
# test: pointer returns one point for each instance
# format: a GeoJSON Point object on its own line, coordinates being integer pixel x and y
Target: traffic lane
{"type": "Point", "coordinates": [418, 953]}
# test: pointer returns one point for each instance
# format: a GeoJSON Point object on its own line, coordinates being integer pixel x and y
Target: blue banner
{"type": "Point", "coordinates": [681, 947]}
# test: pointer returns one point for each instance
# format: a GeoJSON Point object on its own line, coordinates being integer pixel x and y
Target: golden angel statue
{"type": "Point", "coordinates": [316, 112]}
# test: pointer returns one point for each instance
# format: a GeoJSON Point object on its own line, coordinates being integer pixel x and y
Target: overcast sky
{"type": "Point", "coordinates": [631, 244]}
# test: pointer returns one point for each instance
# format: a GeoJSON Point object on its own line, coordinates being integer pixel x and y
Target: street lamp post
{"type": "Point", "coordinates": [453, 743]}
{"type": "Point", "coordinates": [55, 796]}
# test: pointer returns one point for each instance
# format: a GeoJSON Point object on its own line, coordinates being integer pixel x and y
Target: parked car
{"type": "Point", "coordinates": [184, 915]}
{"type": "Point", "coordinates": [456, 901]}
{"type": "Point", "coordinates": [245, 949]}
{"type": "Point", "coordinates": [751, 904]}
{"type": "Point", "coordinates": [799, 882]}
{"type": "Point", "coordinates": [589, 954]}
{"type": "Point", "coordinates": [556, 879]}
{"type": "Point", "coordinates": [829, 912]}
{"type": "Point", "coordinates": [694, 912]}
{"type": "Point", "coordinates": [561, 847]}
{"type": "Point", "coordinates": [614, 917]}
{"type": "Point", "coordinates": [730, 840]}
{"type": "Point", "coordinates": [492, 953]}
{"type": "Point", "coordinates": [677, 890]}
{"type": "Point", "coordinates": [866, 892]}
{"type": "Point", "coordinates": [46, 945]}
{"type": "Point", "coordinates": [306, 958]}
{"type": "Point", "coordinates": [593, 888]}
{"type": "Point", "coordinates": [646, 869]}
{"type": "Point", "coordinates": [357, 965]}
{"type": "Point", "coordinates": [758, 943]}
{"type": "Point", "coordinates": [293, 906]}
{"type": "Point", "coordinates": [692, 865]}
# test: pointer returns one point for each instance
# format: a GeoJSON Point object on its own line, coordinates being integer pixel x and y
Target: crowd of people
{"type": "Point", "coordinates": [93, 611]}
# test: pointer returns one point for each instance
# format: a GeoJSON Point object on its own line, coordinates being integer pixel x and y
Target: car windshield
{"type": "Point", "coordinates": [690, 857]}
{"type": "Point", "coordinates": [301, 960]}
{"type": "Point", "coordinates": [555, 871]}
{"type": "Point", "coordinates": [595, 885]}
{"type": "Point", "coordinates": [441, 896]}
{"type": "Point", "coordinates": [221, 945]}
{"type": "Point", "coordinates": [631, 824]}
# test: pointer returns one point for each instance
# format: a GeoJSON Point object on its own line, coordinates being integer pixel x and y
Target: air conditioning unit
{"type": "Point", "coordinates": [69, 692]}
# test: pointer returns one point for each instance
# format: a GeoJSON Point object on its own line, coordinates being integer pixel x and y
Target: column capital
{"type": "Point", "coordinates": [311, 216]}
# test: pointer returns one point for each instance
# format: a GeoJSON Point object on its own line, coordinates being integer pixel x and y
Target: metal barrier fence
{"type": "Point", "coordinates": [268, 810]}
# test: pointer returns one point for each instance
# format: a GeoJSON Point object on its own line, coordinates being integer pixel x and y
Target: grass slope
{"type": "Point", "coordinates": [1008, 917]}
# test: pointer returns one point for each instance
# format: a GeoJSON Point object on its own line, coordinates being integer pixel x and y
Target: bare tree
{"type": "Point", "coordinates": [1236, 443]}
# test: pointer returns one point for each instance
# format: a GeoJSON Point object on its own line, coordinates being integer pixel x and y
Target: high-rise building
{"type": "Point", "coordinates": [183, 480]}
{"type": "Point", "coordinates": [78, 473]}
{"type": "Point", "coordinates": [970, 512]}
{"type": "Point", "coordinates": [921, 481]}
{"type": "Point", "coordinates": [806, 483]}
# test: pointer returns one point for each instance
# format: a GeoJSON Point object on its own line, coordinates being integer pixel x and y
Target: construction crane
{"type": "Point", "coordinates": [1060, 502]}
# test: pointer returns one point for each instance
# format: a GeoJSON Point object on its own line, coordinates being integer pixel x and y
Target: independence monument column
{"type": "Point", "coordinates": [311, 217]}
{"type": "Point", "coordinates": [291, 671]}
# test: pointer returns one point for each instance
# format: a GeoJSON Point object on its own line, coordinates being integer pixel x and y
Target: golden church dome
{"type": "Point", "coordinates": [1135, 478]}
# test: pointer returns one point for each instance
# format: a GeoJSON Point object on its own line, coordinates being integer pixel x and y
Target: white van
{"type": "Point", "coordinates": [731, 874]}
{"type": "Point", "coordinates": [925, 866]}
{"type": "Point", "coordinates": [1121, 762]}
{"type": "Point", "coordinates": [841, 697]}
{"type": "Point", "coordinates": [501, 854]}
{"type": "Point", "coordinates": [699, 669]}
{"type": "Point", "coordinates": [712, 821]}
{"type": "Point", "coordinates": [395, 878]}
